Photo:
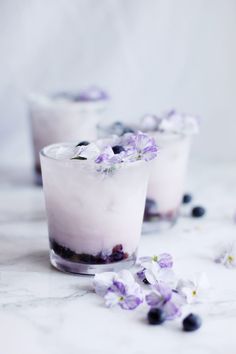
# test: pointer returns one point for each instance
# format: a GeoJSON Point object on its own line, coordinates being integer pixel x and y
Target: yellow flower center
{"type": "Point", "coordinates": [194, 293]}
{"type": "Point", "coordinates": [230, 259]}
{"type": "Point", "coordinates": [155, 258]}
{"type": "Point", "coordinates": [121, 298]}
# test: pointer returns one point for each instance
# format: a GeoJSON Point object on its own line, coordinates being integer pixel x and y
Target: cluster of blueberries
{"type": "Point", "coordinates": [151, 208]}
{"type": "Point", "coordinates": [197, 211]}
{"type": "Point", "coordinates": [117, 255]}
{"type": "Point", "coordinates": [191, 323]}
{"type": "Point", "coordinates": [120, 128]}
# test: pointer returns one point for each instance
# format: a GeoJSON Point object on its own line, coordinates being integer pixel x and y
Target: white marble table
{"type": "Point", "coordinates": [43, 311]}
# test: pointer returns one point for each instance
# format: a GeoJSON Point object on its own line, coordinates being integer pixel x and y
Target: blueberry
{"type": "Point", "coordinates": [118, 124]}
{"type": "Point", "coordinates": [150, 207]}
{"type": "Point", "coordinates": [83, 143]}
{"type": "Point", "coordinates": [117, 256]}
{"type": "Point", "coordinates": [128, 130]}
{"type": "Point", "coordinates": [117, 128]}
{"type": "Point", "coordinates": [192, 323]}
{"type": "Point", "coordinates": [198, 212]}
{"type": "Point", "coordinates": [117, 149]}
{"type": "Point", "coordinates": [156, 316]}
{"type": "Point", "coordinates": [117, 248]}
{"type": "Point", "coordinates": [187, 198]}
{"type": "Point", "coordinates": [145, 281]}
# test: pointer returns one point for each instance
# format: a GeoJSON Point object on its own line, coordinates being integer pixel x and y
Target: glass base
{"type": "Point", "coordinates": [67, 266]}
{"type": "Point", "coordinates": [157, 226]}
{"type": "Point", "coordinates": [160, 223]}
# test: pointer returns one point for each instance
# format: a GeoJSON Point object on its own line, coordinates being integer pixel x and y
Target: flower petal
{"type": "Point", "coordinates": [153, 299]}
{"type": "Point", "coordinates": [102, 282]}
{"type": "Point", "coordinates": [171, 310]}
{"type": "Point", "coordinates": [111, 299]}
{"type": "Point", "coordinates": [131, 302]}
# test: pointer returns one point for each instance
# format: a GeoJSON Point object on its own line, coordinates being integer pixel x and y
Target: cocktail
{"type": "Point", "coordinates": [64, 117]}
{"type": "Point", "coordinates": [95, 196]}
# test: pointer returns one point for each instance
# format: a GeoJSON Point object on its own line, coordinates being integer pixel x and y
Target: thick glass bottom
{"type": "Point", "coordinates": [67, 266]}
{"type": "Point", "coordinates": [159, 223]}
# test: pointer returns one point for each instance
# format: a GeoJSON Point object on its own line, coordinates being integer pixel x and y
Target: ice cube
{"type": "Point", "coordinates": [149, 122]}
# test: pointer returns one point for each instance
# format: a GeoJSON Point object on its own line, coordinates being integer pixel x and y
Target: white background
{"type": "Point", "coordinates": [149, 54]}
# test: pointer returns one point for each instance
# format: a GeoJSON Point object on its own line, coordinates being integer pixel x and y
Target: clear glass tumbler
{"type": "Point", "coordinates": [64, 117]}
{"type": "Point", "coordinates": [94, 219]}
{"type": "Point", "coordinates": [167, 181]}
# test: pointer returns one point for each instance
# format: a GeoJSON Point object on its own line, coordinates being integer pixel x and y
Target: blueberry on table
{"type": "Point", "coordinates": [187, 198]}
{"type": "Point", "coordinates": [191, 323]}
{"type": "Point", "coordinates": [198, 212]}
{"type": "Point", "coordinates": [83, 143]}
{"type": "Point", "coordinates": [156, 316]}
{"type": "Point", "coordinates": [117, 149]}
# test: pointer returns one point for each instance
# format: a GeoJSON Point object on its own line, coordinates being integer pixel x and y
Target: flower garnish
{"type": "Point", "coordinates": [195, 290]}
{"type": "Point", "coordinates": [227, 256]}
{"type": "Point", "coordinates": [140, 147]}
{"type": "Point", "coordinates": [164, 298]}
{"type": "Point", "coordinates": [91, 94]}
{"type": "Point", "coordinates": [172, 122]}
{"type": "Point", "coordinates": [132, 147]}
{"type": "Point", "coordinates": [118, 289]}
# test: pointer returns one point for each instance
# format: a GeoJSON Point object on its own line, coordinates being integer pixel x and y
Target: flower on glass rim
{"type": "Point", "coordinates": [164, 298]}
{"type": "Point", "coordinates": [118, 289]}
{"type": "Point", "coordinates": [195, 290]}
{"type": "Point", "coordinates": [227, 256]}
{"type": "Point", "coordinates": [177, 122]}
{"type": "Point", "coordinates": [140, 147]}
{"type": "Point", "coordinates": [106, 155]}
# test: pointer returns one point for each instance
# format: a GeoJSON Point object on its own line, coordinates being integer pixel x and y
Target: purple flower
{"type": "Point", "coordinates": [164, 298]}
{"type": "Point", "coordinates": [157, 268]}
{"type": "Point", "coordinates": [106, 155]}
{"type": "Point", "coordinates": [92, 94]}
{"type": "Point", "coordinates": [118, 289]}
{"type": "Point", "coordinates": [164, 260]}
{"type": "Point", "coordinates": [227, 256]}
{"type": "Point", "coordinates": [118, 294]}
{"type": "Point", "coordinates": [140, 147]}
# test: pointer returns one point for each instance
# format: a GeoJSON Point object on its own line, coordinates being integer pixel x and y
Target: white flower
{"type": "Point", "coordinates": [227, 256]}
{"type": "Point", "coordinates": [102, 281]}
{"type": "Point", "coordinates": [155, 274]}
{"type": "Point", "coordinates": [118, 289]}
{"type": "Point", "coordinates": [195, 290]}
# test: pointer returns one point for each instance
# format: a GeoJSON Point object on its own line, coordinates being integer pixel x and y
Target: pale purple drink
{"type": "Point", "coordinates": [95, 197]}
{"type": "Point", "coordinates": [64, 117]}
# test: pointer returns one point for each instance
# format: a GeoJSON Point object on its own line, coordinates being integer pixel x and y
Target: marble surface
{"type": "Point", "coordinates": [43, 311]}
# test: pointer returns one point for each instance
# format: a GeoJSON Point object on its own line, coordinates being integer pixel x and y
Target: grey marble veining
{"type": "Point", "coordinates": [43, 311]}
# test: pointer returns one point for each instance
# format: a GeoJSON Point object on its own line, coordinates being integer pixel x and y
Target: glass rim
{"type": "Point", "coordinates": [127, 164]}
